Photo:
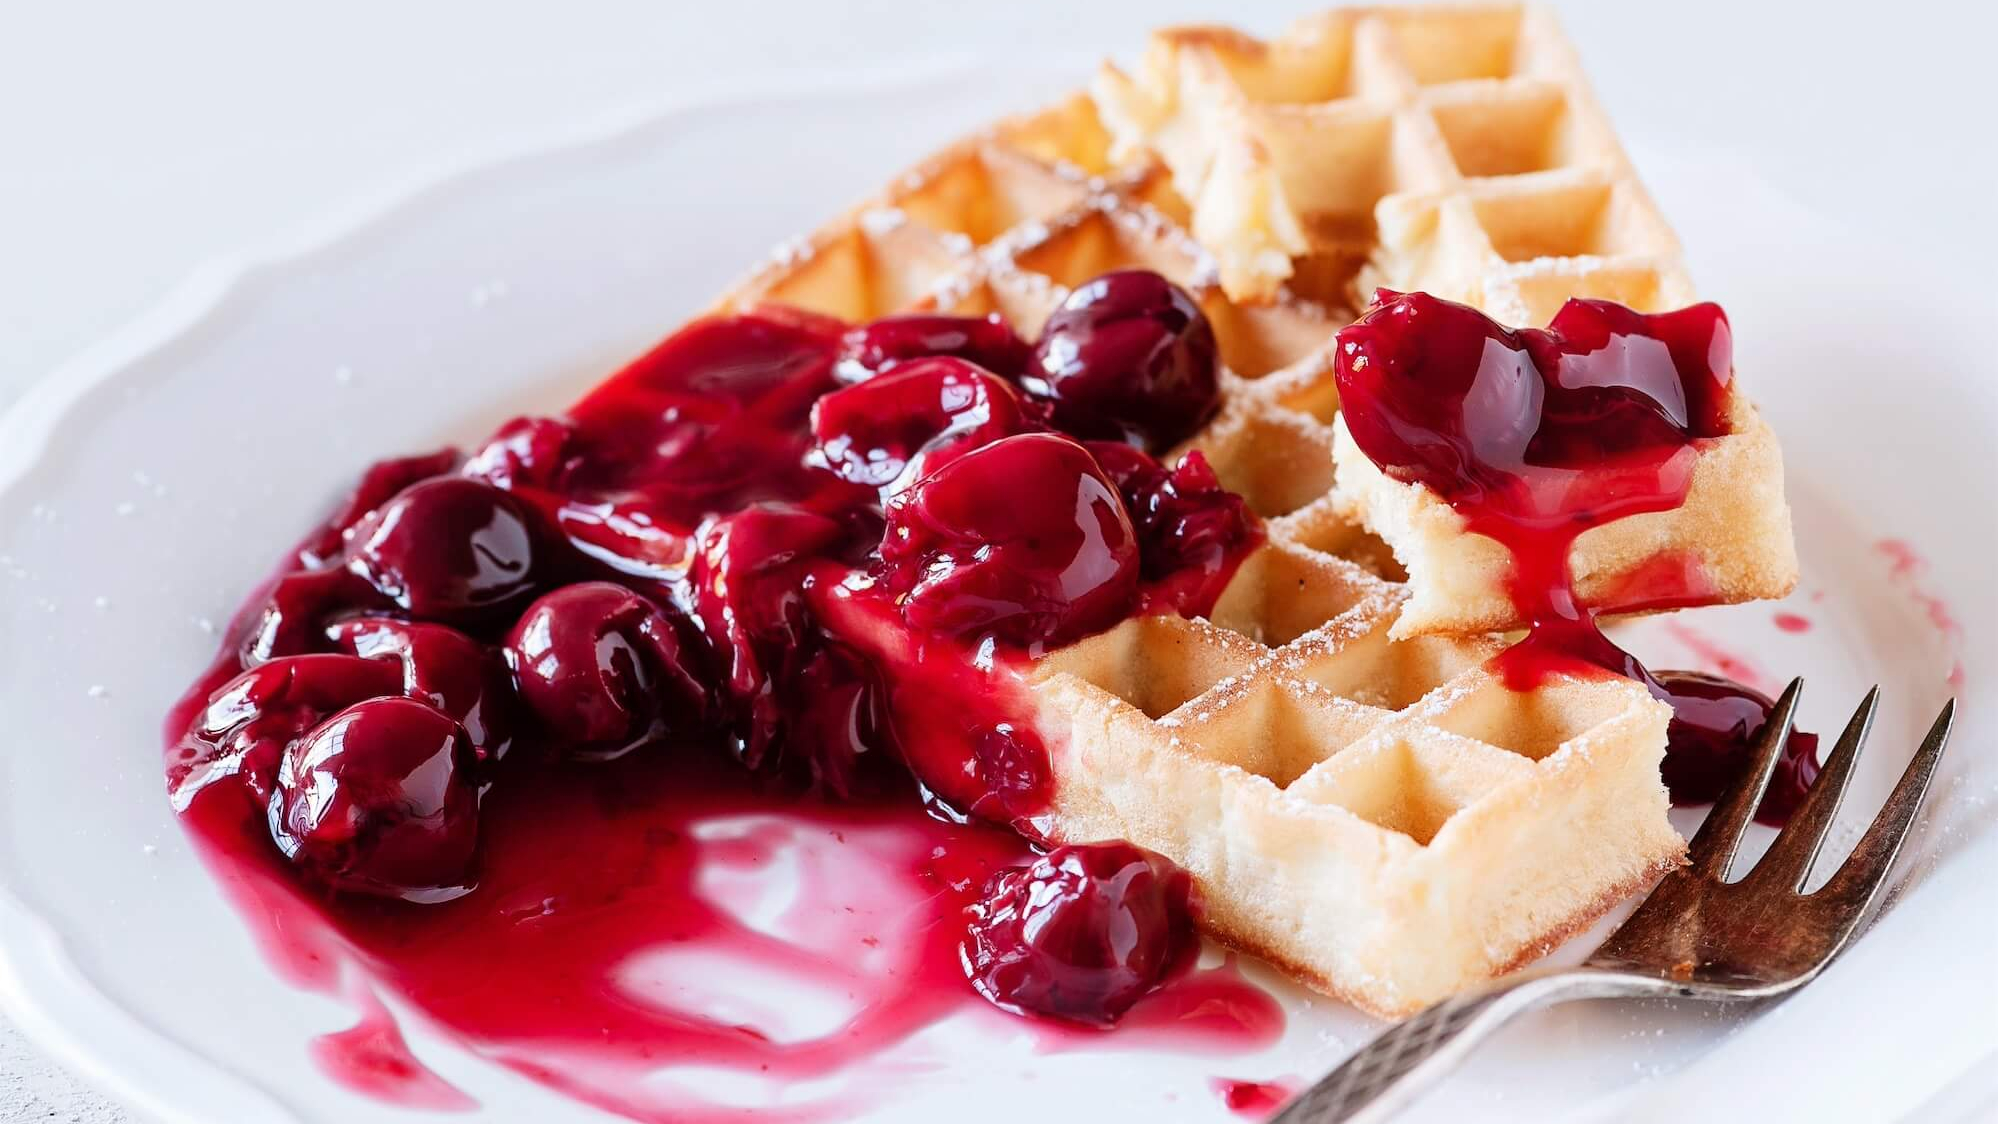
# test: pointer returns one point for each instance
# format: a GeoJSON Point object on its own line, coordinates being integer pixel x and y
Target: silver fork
{"type": "Point", "coordinates": [1698, 936]}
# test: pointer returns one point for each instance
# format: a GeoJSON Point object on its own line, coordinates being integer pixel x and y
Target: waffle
{"type": "Point", "coordinates": [1456, 150]}
{"type": "Point", "coordinates": [1382, 818]}
{"type": "Point", "coordinates": [1460, 152]}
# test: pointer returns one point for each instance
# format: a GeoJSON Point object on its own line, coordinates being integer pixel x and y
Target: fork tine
{"type": "Point", "coordinates": [1713, 846]}
{"type": "Point", "coordinates": [1865, 871]}
{"type": "Point", "coordinates": [1791, 855]}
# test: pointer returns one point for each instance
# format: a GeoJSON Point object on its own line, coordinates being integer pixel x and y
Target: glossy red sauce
{"type": "Point", "coordinates": [735, 826]}
{"type": "Point", "coordinates": [1792, 622]}
{"type": "Point", "coordinates": [1254, 1100]}
{"type": "Point", "coordinates": [1535, 436]}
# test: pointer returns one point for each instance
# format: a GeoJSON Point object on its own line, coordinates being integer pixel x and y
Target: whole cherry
{"type": "Point", "coordinates": [525, 452]}
{"type": "Point", "coordinates": [250, 721]}
{"type": "Point", "coordinates": [382, 480]}
{"type": "Point", "coordinates": [1024, 540]}
{"type": "Point", "coordinates": [604, 670]}
{"type": "Point", "coordinates": [379, 800]}
{"type": "Point", "coordinates": [445, 668]}
{"type": "Point", "coordinates": [1082, 933]}
{"type": "Point", "coordinates": [890, 430]}
{"type": "Point", "coordinates": [452, 549]}
{"type": "Point", "coordinates": [988, 341]}
{"type": "Point", "coordinates": [1130, 357]}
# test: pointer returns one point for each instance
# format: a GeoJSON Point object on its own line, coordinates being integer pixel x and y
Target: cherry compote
{"type": "Point", "coordinates": [1536, 435]}
{"type": "Point", "coordinates": [516, 721]}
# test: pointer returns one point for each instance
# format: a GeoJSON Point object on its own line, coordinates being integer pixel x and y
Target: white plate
{"type": "Point", "coordinates": [143, 490]}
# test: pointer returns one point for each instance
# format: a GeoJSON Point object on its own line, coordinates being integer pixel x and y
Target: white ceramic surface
{"type": "Point", "coordinates": [144, 488]}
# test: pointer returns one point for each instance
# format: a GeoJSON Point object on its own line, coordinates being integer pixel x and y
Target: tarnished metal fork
{"type": "Point", "coordinates": [1698, 936]}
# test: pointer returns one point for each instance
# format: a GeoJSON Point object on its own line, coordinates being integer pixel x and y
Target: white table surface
{"type": "Point", "coordinates": [137, 140]}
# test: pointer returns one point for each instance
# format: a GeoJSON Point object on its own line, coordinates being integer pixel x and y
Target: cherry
{"type": "Point", "coordinates": [989, 342]}
{"type": "Point", "coordinates": [293, 618]}
{"type": "Point", "coordinates": [1714, 721]}
{"type": "Point", "coordinates": [250, 720]}
{"type": "Point", "coordinates": [445, 668]}
{"type": "Point", "coordinates": [1024, 539]}
{"type": "Point", "coordinates": [1184, 518]}
{"type": "Point", "coordinates": [377, 486]}
{"type": "Point", "coordinates": [1080, 934]}
{"type": "Point", "coordinates": [454, 549]}
{"type": "Point", "coordinates": [799, 699]}
{"type": "Point", "coordinates": [1496, 420]}
{"type": "Point", "coordinates": [887, 432]}
{"type": "Point", "coordinates": [525, 452]}
{"type": "Point", "coordinates": [604, 671]}
{"type": "Point", "coordinates": [1128, 356]}
{"type": "Point", "coordinates": [379, 800]}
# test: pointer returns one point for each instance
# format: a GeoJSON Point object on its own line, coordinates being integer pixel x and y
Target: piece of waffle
{"type": "Point", "coordinates": [1382, 818]}
{"type": "Point", "coordinates": [1457, 151]}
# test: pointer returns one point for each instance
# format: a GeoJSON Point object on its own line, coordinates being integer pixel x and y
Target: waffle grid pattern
{"type": "Point", "coordinates": [1381, 817]}
{"type": "Point", "coordinates": [1457, 150]}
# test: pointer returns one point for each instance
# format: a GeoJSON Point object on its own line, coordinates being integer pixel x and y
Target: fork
{"type": "Point", "coordinates": [1697, 936]}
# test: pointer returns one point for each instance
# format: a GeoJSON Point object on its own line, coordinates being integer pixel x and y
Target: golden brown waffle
{"type": "Point", "coordinates": [1382, 818]}
{"type": "Point", "coordinates": [1455, 150]}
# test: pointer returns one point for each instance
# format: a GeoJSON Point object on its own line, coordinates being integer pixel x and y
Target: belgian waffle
{"type": "Point", "coordinates": [1382, 817]}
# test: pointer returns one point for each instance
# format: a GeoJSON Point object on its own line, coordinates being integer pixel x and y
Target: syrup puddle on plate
{"type": "Point", "coordinates": [664, 939]}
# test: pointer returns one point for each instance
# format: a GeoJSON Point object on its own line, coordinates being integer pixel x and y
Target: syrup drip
{"type": "Point", "coordinates": [1536, 436]}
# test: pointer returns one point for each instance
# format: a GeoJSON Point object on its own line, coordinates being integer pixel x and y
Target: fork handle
{"type": "Point", "coordinates": [1401, 1064]}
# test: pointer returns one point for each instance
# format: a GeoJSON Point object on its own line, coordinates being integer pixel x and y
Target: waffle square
{"type": "Point", "coordinates": [1377, 815]}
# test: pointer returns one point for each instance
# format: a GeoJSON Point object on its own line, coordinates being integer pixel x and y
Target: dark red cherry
{"type": "Point", "coordinates": [379, 799]}
{"type": "Point", "coordinates": [1129, 357]}
{"type": "Point", "coordinates": [453, 549]}
{"type": "Point", "coordinates": [604, 671]}
{"type": "Point", "coordinates": [1496, 420]}
{"type": "Point", "coordinates": [1082, 933]}
{"type": "Point", "coordinates": [377, 486]}
{"type": "Point", "coordinates": [445, 668]}
{"type": "Point", "coordinates": [1714, 722]}
{"type": "Point", "coordinates": [888, 431]}
{"type": "Point", "coordinates": [1183, 516]}
{"type": "Point", "coordinates": [799, 702]}
{"type": "Point", "coordinates": [1024, 539]}
{"type": "Point", "coordinates": [294, 616]}
{"type": "Point", "coordinates": [525, 452]}
{"type": "Point", "coordinates": [250, 721]}
{"type": "Point", "coordinates": [988, 341]}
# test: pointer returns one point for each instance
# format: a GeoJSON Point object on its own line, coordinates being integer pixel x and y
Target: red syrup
{"type": "Point", "coordinates": [371, 1057]}
{"type": "Point", "coordinates": [1905, 568]}
{"type": "Point", "coordinates": [1793, 622]}
{"type": "Point", "coordinates": [1535, 436]}
{"type": "Point", "coordinates": [1254, 1100]}
{"type": "Point", "coordinates": [759, 698]}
